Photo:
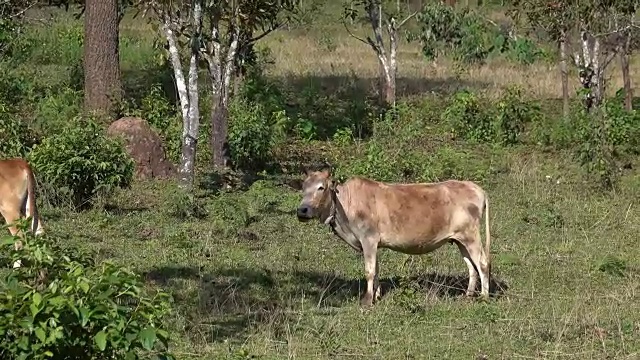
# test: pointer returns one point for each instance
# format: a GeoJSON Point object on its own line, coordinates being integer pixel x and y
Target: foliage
{"type": "Point", "coordinates": [59, 305]}
{"type": "Point", "coordinates": [553, 17]}
{"type": "Point", "coordinates": [82, 161]}
{"type": "Point", "coordinates": [250, 134]}
{"type": "Point", "coordinates": [513, 113]}
{"type": "Point", "coordinates": [604, 137]}
{"type": "Point", "coordinates": [468, 37]}
{"type": "Point", "coordinates": [468, 118]}
{"type": "Point", "coordinates": [55, 108]}
{"type": "Point", "coordinates": [16, 137]}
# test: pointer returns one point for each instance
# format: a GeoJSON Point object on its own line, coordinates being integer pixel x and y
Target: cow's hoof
{"type": "Point", "coordinates": [366, 301]}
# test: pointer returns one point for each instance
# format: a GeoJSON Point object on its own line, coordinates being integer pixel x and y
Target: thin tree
{"type": "Point", "coordinates": [229, 27]}
{"type": "Point", "coordinates": [557, 18]}
{"type": "Point", "coordinates": [183, 21]}
{"type": "Point", "coordinates": [387, 56]}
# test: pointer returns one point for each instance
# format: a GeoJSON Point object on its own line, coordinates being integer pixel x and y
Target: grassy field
{"type": "Point", "coordinates": [250, 281]}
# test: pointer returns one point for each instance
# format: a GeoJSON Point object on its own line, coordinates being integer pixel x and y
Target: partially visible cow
{"type": "Point", "coordinates": [18, 197]}
{"type": "Point", "coordinates": [409, 218]}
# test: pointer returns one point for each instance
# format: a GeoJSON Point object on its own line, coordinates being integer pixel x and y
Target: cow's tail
{"type": "Point", "coordinates": [31, 208]}
{"type": "Point", "coordinates": [487, 235]}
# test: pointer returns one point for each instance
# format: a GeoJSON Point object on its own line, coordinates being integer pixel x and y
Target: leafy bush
{"type": "Point", "coordinates": [54, 110]}
{"type": "Point", "coordinates": [12, 42]}
{"type": "Point", "coordinates": [81, 162]}
{"type": "Point", "coordinates": [468, 118]}
{"type": "Point", "coordinates": [461, 33]}
{"type": "Point", "coordinates": [513, 113]}
{"type": "Point", "coordinates": [59, 305]}
{"type": "Point", "coordinates": [604, 137]}
{"type": "Point", "coordinates": [258, 88]}
{"type": "Point", "coordinates": [468, 37]}
{"type": "Point", "coordinates": [250, 134]}
{"type": "Point", "coordinates": [523, 50]}
{"type": "Point", "coordinates": [16, 138]}
{"type": "Point", "coordinates": [61, 45]}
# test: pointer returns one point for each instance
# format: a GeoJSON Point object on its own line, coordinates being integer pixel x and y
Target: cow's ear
{"type": "Point", "coordinates": [305, 170]}
{"type": "Point", "coordinates": [332, 184]}
{"type": "Point", "coordinates": [326, 170]}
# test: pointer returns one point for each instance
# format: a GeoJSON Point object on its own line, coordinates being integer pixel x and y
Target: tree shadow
{"type": "Point", "coordinates": [335, 102]}
{"type": "Point", "coordinates": [212, 182]}
{"type": "Point", "coordinates": [228, 301]}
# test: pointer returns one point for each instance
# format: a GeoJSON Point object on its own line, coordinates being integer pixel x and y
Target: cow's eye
{"type": "Point", "coordinates": [320, 188]}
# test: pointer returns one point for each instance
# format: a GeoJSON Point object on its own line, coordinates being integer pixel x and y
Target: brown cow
{"type": "Point", "coordinates": [409, 218]}
{"type": "Point", "coordinates": [17, 196]}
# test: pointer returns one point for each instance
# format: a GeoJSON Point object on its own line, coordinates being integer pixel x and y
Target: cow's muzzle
{"type": "Point", "coordinates": [304, 213]}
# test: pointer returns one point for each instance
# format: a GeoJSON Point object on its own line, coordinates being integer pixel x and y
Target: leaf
{"type": "Point", "coordinates": [101, 340]}
{"type": "Point", "coordinates": [84, 316]}
{"type": "Point", "coordinates": [41, 335]}
{"type": "Point", "coordinates": [34, 310]}
{"type": "Point", "coordinates": [7, 240]}
{"type": "Point", "coordinates": [37, 299]}
{"type": "Point", "coordinates": [84, 286]}
{"type": "Point", "coordinates": [147, 337]}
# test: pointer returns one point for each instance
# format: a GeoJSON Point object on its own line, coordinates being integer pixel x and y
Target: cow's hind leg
{"type": "Point", "coordinates": [473, 246]}
{"type": "Point", "coordinates": [10, 216]}
{"type": "Point", "coordinates": [473, 275]}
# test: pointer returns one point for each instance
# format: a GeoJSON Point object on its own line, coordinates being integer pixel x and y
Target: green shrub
{"type": "Point", "coordinates": [250, 134]}
{"type": "Point", "coordinates": [81, 162]}
{"type": "Point", "coordinates": [513, 113]}
{"type": "Point", "coordinates": [16, 137]}
{"type": "Point", "coordinates": [468, 37]}
{"type": "Point", "coordinates": [468, 118]}
{"type": "Point", "coordinates": [59, 305]}
{"type": "Point", "coordinates": [54, 110]}
{"type": "Point", "coordinates": [13, 43]}
{"type": "Point", "coordinates": [604, 137]}
{"type": "Point", "coordinates": [60, 45]}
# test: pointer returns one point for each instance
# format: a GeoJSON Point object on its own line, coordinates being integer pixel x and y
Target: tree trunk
{"type": "Point", "coordinates": [219, 132]}
{"type": "Point", "coordinates": [102, 84]}
{"type": "Point", "coordinates": [564, 76]}
{"type": "Point", "coordinates": [390, 91]}
{"type": "Point", "coordinates": [626, 78]}
{"type": "Point", "coordinates": [187, 94]}
{"type": "Point", "coordinates": [222, 71]}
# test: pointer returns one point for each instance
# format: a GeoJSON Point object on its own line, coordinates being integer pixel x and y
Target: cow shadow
{"type": "Point", "coordinates": [228, 302]}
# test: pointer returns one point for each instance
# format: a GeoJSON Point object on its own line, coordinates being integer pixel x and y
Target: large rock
{"type": "Point", "coordinates": [145, 147]}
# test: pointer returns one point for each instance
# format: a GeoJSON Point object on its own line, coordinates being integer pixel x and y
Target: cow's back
{"type": "Point", "coordinates": [411, 218]}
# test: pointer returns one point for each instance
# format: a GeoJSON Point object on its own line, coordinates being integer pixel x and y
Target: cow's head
{"type": "Point", "coordinates": [316, 195]}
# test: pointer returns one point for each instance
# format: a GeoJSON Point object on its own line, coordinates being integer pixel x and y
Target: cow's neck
{"type": "Point", "coordinates": [339, 223]}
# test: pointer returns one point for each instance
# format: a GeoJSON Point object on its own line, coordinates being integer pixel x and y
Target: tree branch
{"type": "Point", "coordinates": [265, 33]}
{"type": "Point", "coordinates": [406, 19]}
{"type": "Point", "coordinates": [354, 35]}
{"type": "Point", "coordinates": [24, 10]}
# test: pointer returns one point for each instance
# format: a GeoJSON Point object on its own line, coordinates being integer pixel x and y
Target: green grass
{"type": "Point", "coordinates": [250, 277]}
{"type": "Point", "coordinates": [249, 280]}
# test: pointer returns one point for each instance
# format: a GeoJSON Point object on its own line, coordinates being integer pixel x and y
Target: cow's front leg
{"type": "Point", "coordinates": [376, 283]}
{"type": "Point", "coordinates": [370, 269]}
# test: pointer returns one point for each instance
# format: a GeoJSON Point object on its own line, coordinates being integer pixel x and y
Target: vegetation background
{"type": "Point", "coordinates": [479, 98]}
